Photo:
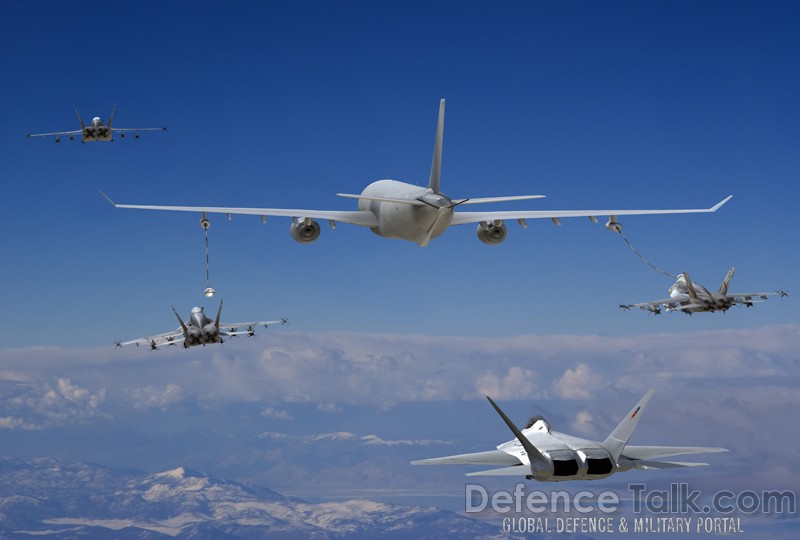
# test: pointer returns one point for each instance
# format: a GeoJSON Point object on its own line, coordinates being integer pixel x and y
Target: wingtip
{"type": "Point", "coordinates": [722, 202]}
{"type": "Point", "coordinates": [107, 198]}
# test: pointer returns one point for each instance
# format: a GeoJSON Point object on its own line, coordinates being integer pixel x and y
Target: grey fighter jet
{"type": "Point", "coordinates": [200, 330]}
{"type": "Point", "coordinates": [96, 130]}
{"type": "Point", "coordinates": [690, 297]}
{"type": "Point", "coordinates": [540, 453]}
{"type": "Point", "coordinates": [393, 209]}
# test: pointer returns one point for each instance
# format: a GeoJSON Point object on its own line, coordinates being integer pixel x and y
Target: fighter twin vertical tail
{"type": "Point", "coordinates": [690, 288]}
{"type": "Point", "coordinates": [436, 165]}
{"type": "Point", "coordinates": [111, 118]}
{"type": "Point", "coordinates": [79, 116]}
{"type": "Point", "coordinates": [183, 324]}
{"type": "Point", "coordinates": [219, 314]}
{"type": "Point", "coordinates": [615, 443]}
{"type": "Point", "coordinates": [534, 455]}
{"type": "Point", "coordinates": [723, 289]}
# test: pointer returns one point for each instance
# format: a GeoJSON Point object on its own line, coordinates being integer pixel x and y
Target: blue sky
{"type": "Point", "coordinates": [284, 104]}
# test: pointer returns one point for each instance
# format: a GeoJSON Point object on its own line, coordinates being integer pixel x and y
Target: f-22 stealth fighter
{"type": "Point", "coordinates": [539, 453]}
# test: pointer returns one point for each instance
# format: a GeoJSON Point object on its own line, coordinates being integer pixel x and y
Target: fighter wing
{"type": "Point", "coordinates": [167, 338]}
{"type": "Point", "coordinates": [357, 217]}
{"type": "Point", "coordinates": [131, 130]}
{"type": "Point", "coordinates": [659, 465]}
{"type": "Point", "coordinates": [656, 305]}
{"type": "Point", "coordinates": [650, 452]}
{"type": "Point", "coordinates": [55, 134]}
{"type": "Point", "coordinates": [248, 328]}
{"type": "Point", "coordinates": [749, 298]}
{"type": "Point", "coordinates": [492, 457]}
{"type": "Point", "coordinates": [505, 471]}
{"type": "Point", "coordinates": [460, 218]}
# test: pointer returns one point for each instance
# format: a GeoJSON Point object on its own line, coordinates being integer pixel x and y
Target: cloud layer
{"type": "Point", "coordinates": [47, 387]}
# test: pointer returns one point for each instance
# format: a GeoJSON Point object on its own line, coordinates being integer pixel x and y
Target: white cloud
{"type": "Point", "coordinates": [329, 407]}
{"type": "Point", "coordinates": [516, 383]}
{"type": "Point", "coordinates": [584, 423]}
{"type": "Point", "coordinates": [44, 405]}
{"type": "Point", "coordinates": [10, 422]}
{"type": "Point", "coordinates": [576, 383]}
{"type": "Point", "coordinates": [276, 414]}
{"type": "Point", "coordinates": [150, 396]}
{"type": "Point", "coordinates": [332, 370]}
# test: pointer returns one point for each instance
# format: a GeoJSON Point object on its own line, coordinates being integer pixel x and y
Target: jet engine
{"type": "Point", "coordinates": [193, 335]}
{"type": "Point", "coordinates": [304, 230]}
{"type": "Point", "coordinates": [210, 332]}
{"type": "Point", "coordinates": [613, 225]}
{"type": "Point", "coordinates": [492, 232]}
{"type": "Point", "coordinates": [598, 462]}
{"type": "Point", "coordinates": [564, 463]}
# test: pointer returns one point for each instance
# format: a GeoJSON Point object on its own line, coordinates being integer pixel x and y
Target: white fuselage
{"type": "Point", "coordinates": [709, 301]}
{"type": "Point", "coordinates": [404, 221]}
{"type": "Point", "coordinates": [200, 329]}
{"type": "Point", "coordinates": [571, 458]}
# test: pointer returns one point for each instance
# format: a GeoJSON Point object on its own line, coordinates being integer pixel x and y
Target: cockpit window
{"type": "Point", "coordinates": [535, 419]}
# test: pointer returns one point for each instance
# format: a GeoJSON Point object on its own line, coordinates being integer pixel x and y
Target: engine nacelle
{"type": "Point", "coordinates": [193, 335]}
{"type": "Point", "coordinates": [564, 463]}
{"type": "Point", "coordinates": [613, 225]}
{"type": "Point", "coordinates": [210, 330]}
{"type": "Point", "coordinates": [492, 232]}
{"type": "Point", "coordinates": [304, 230]}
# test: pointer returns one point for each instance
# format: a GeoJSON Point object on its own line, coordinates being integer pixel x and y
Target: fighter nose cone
{"type": "Point", "coordinates": [209, 292]}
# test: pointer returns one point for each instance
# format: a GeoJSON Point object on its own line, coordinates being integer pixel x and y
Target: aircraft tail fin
{"type": "Point", "coordinates": [723, 289]}
{"type": "Point", "coordinates": [111, 118]}
{"type": "Point", "coordinates": [615, 443]}
{"type": "Point", "coordinates": [183, 324]}
{"type": "Point", "coordinates": [219, 314]}
{"type": "Point", "coordinates": [690, 287]}
{"type": "Point", "coordinates": [79, 116]}
{"type": "Point", "coordinates": [533, 453]}
{"type": "Point", "coordinates": [436, 165]}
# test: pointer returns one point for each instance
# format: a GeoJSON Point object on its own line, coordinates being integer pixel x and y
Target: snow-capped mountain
{"type": "Point", "coordinates": [50, 498]}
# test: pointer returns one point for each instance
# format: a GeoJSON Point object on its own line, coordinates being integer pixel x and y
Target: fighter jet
{"type": "Point", "coordinates": [200, 330]}
{"type": "Point", "coordinates": [96, 130]}
{"type": "Point", "coordinates": [690, 297]}
{"type": "Point", "coordinates": [393, 209]}
{"type": "Point", "coordinates": [540, 453]}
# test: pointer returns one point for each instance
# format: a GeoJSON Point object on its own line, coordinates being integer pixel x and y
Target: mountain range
{"type": "Point", "coordinates": [52, 498]}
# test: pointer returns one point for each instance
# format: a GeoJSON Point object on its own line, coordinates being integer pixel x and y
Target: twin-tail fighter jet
{"type": "Point", "coordinates": [96, 130]}
{"type": "Point", "coordinates": [690, 297]}
{"type": "Point", "coordinates": [539, 453]}
{"type": "Point", "coordinates": [393, 209]}
{"type": "Point", "coordinates": [200, 330]}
